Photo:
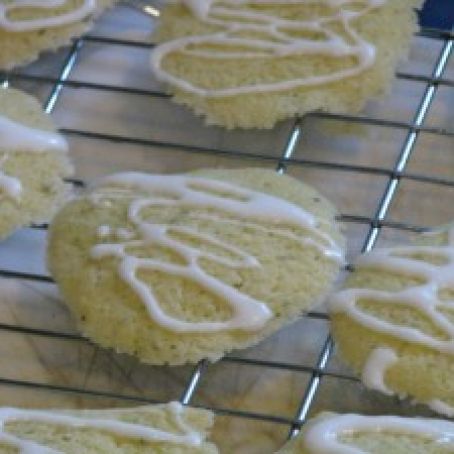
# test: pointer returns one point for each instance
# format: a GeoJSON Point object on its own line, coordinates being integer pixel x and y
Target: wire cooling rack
{"type": "Point", "coordinates": [318, 382]}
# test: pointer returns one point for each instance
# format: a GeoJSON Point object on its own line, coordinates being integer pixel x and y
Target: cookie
{"type": "Point", "coordinates": [251, 63]}
{"type": "Point", "coordinates": [176, 268]}
{"type": "Point", "coordinates": [169, 428]}
{"type": "Point", "coordinates": [358, 434]}
{"type": "Point", "coordinates": [394, 321]}
{"type": "Point", "coordinates": [33, 162]}
{"type": "Point", "coordinates": [30, 27]}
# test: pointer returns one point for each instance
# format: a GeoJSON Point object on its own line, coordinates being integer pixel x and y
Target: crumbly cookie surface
{"type": "Point", "coordinates": [40, 174]}
{"type": "Point", "coordinates": [22, 47]}
{"type": "Point", "coordinates": [167, 428]}
{"type": "Point", "coordinates": [359, 434]}
{"type": "Point", "coordinates": [394, 324]}
{"type": "Point", "coordinates": [180, 276]}
{"type": "Point", "coordinates": [250, 64]}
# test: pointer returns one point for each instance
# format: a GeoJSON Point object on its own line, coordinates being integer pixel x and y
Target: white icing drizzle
{"type": "Point", "coordinates": [323, 435]}
{"type": "Point", "coordinates": [441, 407]}
{"type": "Point", "coordinates": [16, 137]}
{"type": "Point", "coordinates": [187, 437]}
{"type": "Point", "coordinates": [121, 233]}
{"type": "Point", "coordinates": [423, 297]}
{"type": "Point", "coordinates": [78, 14]}
{"type": "Point", "coordinates": [234, 20]}
{"type": "Point", "coordinates": [378, 362]}
{"type": "Point", "coordinates": [200, 193]}
{"type": "Point", "coordinates": [10, 186]}
{"type": "Point", "coordinates": [103, 230]}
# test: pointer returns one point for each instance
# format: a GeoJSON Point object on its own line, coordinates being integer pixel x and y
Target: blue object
{"type": "Point", "coordinates": [438, 14]}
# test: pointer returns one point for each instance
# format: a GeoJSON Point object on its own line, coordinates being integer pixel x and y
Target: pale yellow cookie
{"type": "Point", "coordinates": [168, 428]}
{"type": "Point", "coordinates": [31, 182]}
{"type": "Point", "coordinates": [332, 56]}
{"type": "Point", "coordinates": [24, 46]}
{"type": "Point", "coordinates": [358, 434]}
{"type": "Point", "coordinates": [394, 321]}
{"type": "Point", "coordinates": [127, 259]}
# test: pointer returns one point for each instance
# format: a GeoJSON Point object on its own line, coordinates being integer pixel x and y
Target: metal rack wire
{"type": "Point", "coordinates": [394, 174]}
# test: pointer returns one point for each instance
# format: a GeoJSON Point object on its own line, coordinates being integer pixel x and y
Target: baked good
{"type": "Point", "coordinates": [33, 162]}
{"type": "Point", "coordinates": [32, 26]}
{"type": "Point", "coordinates": [168, 428]}
{"type": "Point", "coordinates": [394, 321]}
{"type": "Point", "coordinates": [251, 63]}
{"type": "Point", "coordinates": [358, 434]}
{"type": "Point", "coordinates": [177, 268]}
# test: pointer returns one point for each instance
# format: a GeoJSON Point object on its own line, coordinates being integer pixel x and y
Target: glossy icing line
{"type": "Point", "coordinates": [441, 407]}
{"type": "Point", "coordinates": [78, 14]}
{"type": "Point", "coordinates": [199, 193]}
{"type": "Point", "coordinates": [379, 361]}
{"type": "Point", "coordinates": [323, 436]}
{"type": "Point", "coordinates": [234, 21]}
{"type": "Point", "coordinates": [16, 137]}
{"type": "Point", "coordinates": [10, 187]}
{"type": "Point", "coordinates": [187, 437]}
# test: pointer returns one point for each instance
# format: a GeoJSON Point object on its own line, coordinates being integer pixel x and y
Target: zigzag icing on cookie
{"type": "Point", "coordinates": [423, 297]}
{"type": "Point", "coordinates": [276, 37]}
{"type": "Point", "coordinates": [239, 206]}
{"type": "Point", "coordinates": [16, 137]}
{"type": "Point", "coordinates": [78, 14]}
{"type": "Point", "coordinates": [186, 437]}
{"type": "Point", "coordinates": [324, 435]}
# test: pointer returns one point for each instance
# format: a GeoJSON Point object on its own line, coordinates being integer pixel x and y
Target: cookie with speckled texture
{"type": "Point", "coordinates": [421, 370]}
{"type": "Point", "coordinates": [71, 440]}
{"type": "Point", "coordinates": [21, 48]}
{"type": "Point", "coordinates": [264, 109]}
{"type": "Point", "coordinates": [41, 174]}
{"type": "Point", "coordinates": [372, 442]}
{"type": "Point", "coordinates": [292, 276]}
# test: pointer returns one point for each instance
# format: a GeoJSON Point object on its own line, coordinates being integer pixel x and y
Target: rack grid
{"type": "Point", "coordinates": [372, 225]}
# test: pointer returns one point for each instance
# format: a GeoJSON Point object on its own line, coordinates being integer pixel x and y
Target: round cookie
{"type": "Point", "coordinates": [35, 26]}
{"type": "Point", "coordinates": [167, 428]}
{"type": "Point", "coordinates": [249, 64]}
{"type": "Point", "coordinates": [33, 163]}
{"type": "Point", "coordinates": [176, 268]}
{"type": "Point", "coordinates": [358, 434]}
{"type": "Point", "coordinates": [394, 321]}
